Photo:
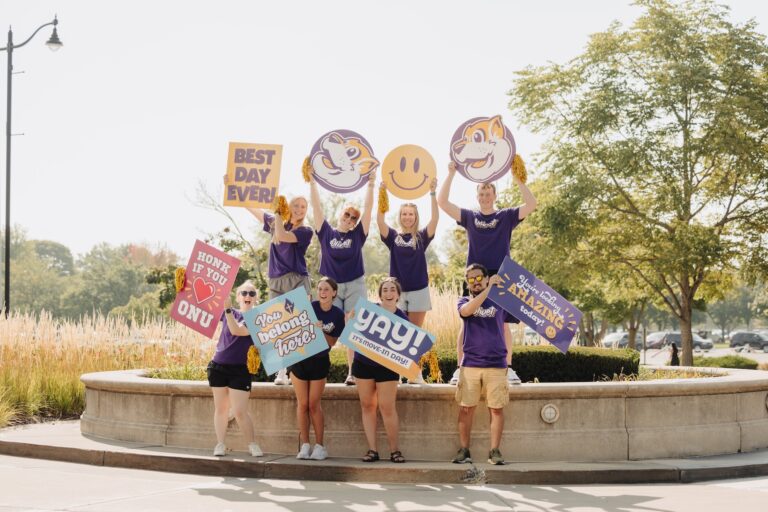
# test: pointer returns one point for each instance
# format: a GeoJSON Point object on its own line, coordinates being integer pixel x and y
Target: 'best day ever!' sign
{"type": "Point", "coordinates": [210, 275]}
{"type": "Point", "coordinates": [253, 174]}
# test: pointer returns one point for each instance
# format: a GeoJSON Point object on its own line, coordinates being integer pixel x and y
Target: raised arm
{"type": "Point", "coordinates": [529, 202]}
{"type": "Point", "coordinates": [383, 227]}
{"type": "Point", "coordinates": [432, 226]}
{"type": "Point", "coordinates": [281, 234]}
{"type": "Point", "coordinates": [368, 204]}
{"type": "Point", "coordinates": [475, 302]}
{"type": "Point", "coordinates": [258, 213]}
{"type": "Point", "coordinates": [317, 207]}
{"type": "Point", "coordinates": [448, 207]}
{"type": "Point", "coordinates": [234, 327]}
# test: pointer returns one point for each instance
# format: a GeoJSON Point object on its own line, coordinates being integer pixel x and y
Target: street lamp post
{"type": "Point", "coordinates": [54, 44]}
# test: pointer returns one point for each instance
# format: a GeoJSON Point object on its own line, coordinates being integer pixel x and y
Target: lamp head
{"type": "Point", "coordinates": [54, 43]}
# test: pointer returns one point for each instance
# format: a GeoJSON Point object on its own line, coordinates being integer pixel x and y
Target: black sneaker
{"type": "Point", "coordinates": [494, 457]}
{"type": "Point", "coordinates": [462, 457]}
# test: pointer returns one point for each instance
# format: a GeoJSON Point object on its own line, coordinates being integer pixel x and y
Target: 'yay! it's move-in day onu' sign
{"type": "Point", "coordinates": [386, 338]}
{"type": "Point", "coordinates": [285, 330]}
{"type": "Point", "coordinates": [210, 275]}
{"type": "Point", "coordinates": [533, 302]}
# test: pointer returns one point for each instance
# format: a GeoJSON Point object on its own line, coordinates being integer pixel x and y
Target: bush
{"type": "Point", "coordinates": [726, 362]}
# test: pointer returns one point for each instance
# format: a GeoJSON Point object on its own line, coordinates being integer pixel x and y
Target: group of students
{"type": "Point", "coordinates": [483, 344]}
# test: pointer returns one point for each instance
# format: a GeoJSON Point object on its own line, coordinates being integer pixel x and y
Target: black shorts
{"type": "Point", "coordinates": [378, 373]}
{"type": "Point", "coordinates": [312, 368]}
{"type": "Point", "coordinates": [234, 376]}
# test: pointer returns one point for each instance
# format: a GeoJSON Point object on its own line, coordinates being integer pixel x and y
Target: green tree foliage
{"type": "Point", "coordinates": [661, 128]}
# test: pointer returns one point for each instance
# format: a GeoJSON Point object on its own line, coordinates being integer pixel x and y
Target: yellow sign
{"type": "Point", "coordinates": [253, 174]}
{"type": "Point", "coordinates": [408, 170]}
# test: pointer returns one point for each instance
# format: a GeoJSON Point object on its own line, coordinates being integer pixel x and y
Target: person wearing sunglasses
{"type": "Point", "coordinates": [228, 373]}
{"type": "Point", "coordinates": [489, 233]}
{"type": "Point", "coordinates": [309, 376]}
{"type": "Point", "coordinates": [341, 250]}
{"type": "Point", "coordinates": [482, 357]}
{"type": "Point", "coordinates": [407, 257]}
{"type": "Point", "coordinates": [377, 385]}
{"type": "Point", "coordinates": [287, 264]}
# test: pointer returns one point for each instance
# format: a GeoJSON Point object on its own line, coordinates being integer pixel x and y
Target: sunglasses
{"type": "Point", "coordinates": [476, 279]}
{"type": "Point", "coordinates": [348, 215]}
{"type": "Point", "coordinates": [248, 293]}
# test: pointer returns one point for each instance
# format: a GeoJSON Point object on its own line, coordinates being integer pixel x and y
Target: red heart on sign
{"type": "Point", "coordinates": [203, 291]}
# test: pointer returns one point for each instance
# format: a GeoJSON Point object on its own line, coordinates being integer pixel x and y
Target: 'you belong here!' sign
{"type": "Point", "coordinates": [386, 338]}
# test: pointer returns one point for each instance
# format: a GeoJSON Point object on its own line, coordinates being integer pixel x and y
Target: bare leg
{"type": "Point", "coordinates": [497, 426]}
{"type": "Point", "coordinates": [466, 415]}
{"type": "Point", "coordinates": [239, 400]}
{"type": "Point", "coordinates": [301, 387]}
{"type": "Point", "coordinates": [366, 390]}
{"type": "Point", "coordinates": [387, 394]}
{"type": "Point", "coordinates": [350, 357]}
{"type": "Point", "coordinates": [220, 412]}
{"type": "Point", "coordinates": [316, 388]}
{"type": "Point", "coordinates": [417, 317]}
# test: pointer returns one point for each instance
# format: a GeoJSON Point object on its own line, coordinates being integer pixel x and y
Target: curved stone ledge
{"type": "Point", "coordinates": [596, 420]}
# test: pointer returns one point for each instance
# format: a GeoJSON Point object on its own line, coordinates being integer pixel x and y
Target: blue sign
{"type": "Point", "coordinates": [285, 330]}
{"type": "Point", "coordinates": [534, 303]}
{"type": "Point", "coordinates": [386, 338]}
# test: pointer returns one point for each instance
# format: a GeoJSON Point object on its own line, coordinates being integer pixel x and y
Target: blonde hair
{"type": "Point", "coordinates": [278, 219]}
{"type": "Point", "coordinates": [248, 282]}
{"type": "Point", "coordinates": [415, 233]}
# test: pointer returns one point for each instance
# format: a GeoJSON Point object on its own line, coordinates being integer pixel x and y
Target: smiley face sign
{"type": "Point", "coordinates": [408, 171]}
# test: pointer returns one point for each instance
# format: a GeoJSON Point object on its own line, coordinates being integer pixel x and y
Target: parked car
{"type": "Point", "coordinates": [617, 340]}
{"type": "Point", "coordinates": [699, 343]}
{"type": "Point", "coordinates": [655, 340]}
{"type": "Point", "coordinates": [751, 338]}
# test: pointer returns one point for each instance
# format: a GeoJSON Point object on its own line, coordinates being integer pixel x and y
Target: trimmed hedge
{"type": "Point", "coordinates": [738, 362]}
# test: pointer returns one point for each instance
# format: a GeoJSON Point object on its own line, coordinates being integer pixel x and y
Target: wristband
{"type": "Point", "coordinates": [228, 310]}
{"type": "Point", "coordinates": [433, 194]}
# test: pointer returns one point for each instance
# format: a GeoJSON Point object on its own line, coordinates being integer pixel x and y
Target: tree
{"type": "Point", "coordinates": [57, 256]}
{"type": "Point", "coordinates": [663, 128]}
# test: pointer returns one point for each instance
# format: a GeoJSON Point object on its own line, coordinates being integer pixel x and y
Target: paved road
{"type": "Point", "coordinates": [655, 357]}
{"type": "Point", "coordinates": [41, 485]}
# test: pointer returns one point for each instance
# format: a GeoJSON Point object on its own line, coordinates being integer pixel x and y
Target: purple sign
{"type": "Point", "coordinates": [535, 304]}
{"type": "Point", "coordinates": [342, 161]}
{"type": "Point", "coordinates": [482, 149]}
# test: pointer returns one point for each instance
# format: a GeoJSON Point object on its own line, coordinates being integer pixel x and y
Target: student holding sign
{"type": "Point", "coordinates": [483, 361]}
{"type": "Point", "coordinates": [228, 372]}
{"type": "Point", "coordinates": [407, 257]}
{"type": "Point", "coordinates": [309, 376]}
{"type": "Point", "coordinates": [341, 250]}
{"type": "Point", "coordinates": [377, 385]}
{"type": "Point", "coordinates": [489, 231]}
{"type": "Point", "coordinates": [287, 254]}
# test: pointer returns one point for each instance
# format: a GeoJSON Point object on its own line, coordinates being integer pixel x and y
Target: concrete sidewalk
{"type": "Point", "coordinates": [63, 441]}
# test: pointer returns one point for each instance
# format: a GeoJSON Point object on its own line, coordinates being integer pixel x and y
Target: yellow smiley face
{"type": "Point", "coordinates": [408, 171]}
{"type": "Point", "coordinates": [550, 332]}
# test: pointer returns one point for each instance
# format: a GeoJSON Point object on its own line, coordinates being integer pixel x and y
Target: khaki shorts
{"type": "Point", "coordinates": [288, 282]}
{"type": "Point", "coordinates": [474, 383]}
{"type": "Point", "coordinates": [415, 301]}
{"type": "Point", "coordinates": [349, 292]}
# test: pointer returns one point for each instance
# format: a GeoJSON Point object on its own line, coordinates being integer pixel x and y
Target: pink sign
{"type": "Point", "coordinates": [209, 278]}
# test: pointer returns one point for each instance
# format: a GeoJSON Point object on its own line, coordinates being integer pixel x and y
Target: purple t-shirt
{"type": "Point", "coordinates": [333, 321]}
{"type": "Point", "coordinates": [288, 257]}
{"type": "Point", "coordinates": [341, 254]}
{"type": "Point", "coordinates": [407, 258]}
{"type": "Point", "coordinates": [232, 349]}
{"type": "Point", "coordinates": [489, 235]}
{"type": "Point", "coordinates": [484, 335]}
{"type": "Point", "coordinates": [370, 362]}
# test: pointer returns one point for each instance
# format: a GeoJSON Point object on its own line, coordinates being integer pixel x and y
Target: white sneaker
{"type": "Point", "coordinates": [319, 452]}
{"type": "Point", "coordinates": [512, 377]}
{"type": "Point", "coordinates": [282, 378]}
{"type": "Point", "coordinates": [219, 450]}
{"type": "Point", "coordinates": [418, 380]}
{"type": "Point", "coordinates": [350, 381]}
{"type": "Point", "coordinates": [455, 379]}
{"type": "Point", "coordinates": [304, 452]}
{"type": "Point", "coordinates": [255, 450]}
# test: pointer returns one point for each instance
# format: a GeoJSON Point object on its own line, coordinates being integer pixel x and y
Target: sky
{"type": "Point", "coordinates": [123, 123]}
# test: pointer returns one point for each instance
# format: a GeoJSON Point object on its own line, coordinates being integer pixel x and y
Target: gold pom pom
{"type": "Point", "coordinates": [281, 208]}
{"type": "Point", "coordinates": [518, 169]}
{"type": "Point", "coordinates": [254, 360]}
{"type": "Point", "coordinates": [430, 358]}
{"type": "Point", "coordinates": [306, 169]}
{"type": "Point", "coordinates": [383, 200]}
{"type": "Point", "coordinates": [180, 278]}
